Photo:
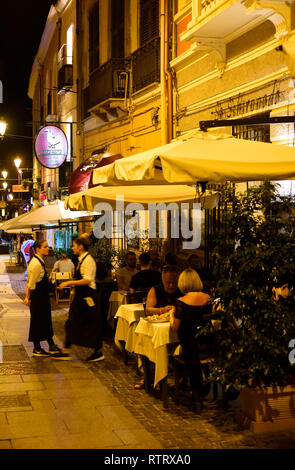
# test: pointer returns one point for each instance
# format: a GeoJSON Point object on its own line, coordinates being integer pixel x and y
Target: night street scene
{"type": "Point", "coordinates": [147, 242]}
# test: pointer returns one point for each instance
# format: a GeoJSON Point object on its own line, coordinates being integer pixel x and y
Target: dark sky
{"type": "Point", "coordinates": [21, 27]}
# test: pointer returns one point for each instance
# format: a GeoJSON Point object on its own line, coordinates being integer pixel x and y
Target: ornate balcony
{"type": "Point", "coordinates": [146, 65]}
{"type": "Point", "coordinates": [215, 23]}
{"type": "Point", "coordinates": [108, 83]}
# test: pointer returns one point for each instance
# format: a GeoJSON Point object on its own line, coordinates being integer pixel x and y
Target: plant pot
{"type": "Point", "coordinates": [268, 409]}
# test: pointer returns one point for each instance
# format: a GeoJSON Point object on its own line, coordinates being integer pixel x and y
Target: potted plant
{"type": "Point", "coordinates": [254, 257]}
{"type": "Point", "coordinates": [104, 252]}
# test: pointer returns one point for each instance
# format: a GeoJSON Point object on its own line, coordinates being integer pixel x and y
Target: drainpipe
{"type": "Point", "coordinates": [164, 133]}
{"type": "Point", "coordinates": [168, 73]}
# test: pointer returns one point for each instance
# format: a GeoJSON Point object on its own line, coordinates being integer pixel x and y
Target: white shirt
{"type": "Point", "coordinates": [35, 272]}
{"type": "Point", "coordinates": [88, 269]}
{"type": "Point", "coordinates": [64, 266]}
{"type": "Point", "coordinates": [126, 275]}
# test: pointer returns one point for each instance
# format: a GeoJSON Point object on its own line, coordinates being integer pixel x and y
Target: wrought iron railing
{"type": "Point", "coordinates": [146, 65]}
{"type": "Point", "coordinates": [108, 81]}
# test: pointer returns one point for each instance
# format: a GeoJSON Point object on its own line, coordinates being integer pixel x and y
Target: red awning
{"type": "Point", "coordinates": [81, 178]}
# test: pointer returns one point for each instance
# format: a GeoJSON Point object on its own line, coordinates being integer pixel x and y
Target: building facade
{"type": "Point", "coordinates": [53, 90]}
{"type": "Point", "coordinates": [233, 60]}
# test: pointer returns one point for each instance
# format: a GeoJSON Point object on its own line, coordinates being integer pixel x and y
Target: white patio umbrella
{"type": "Point", "coordinates": [138, 194]}
{"type": "Point", "coordinates": [13, 223]}
{"type": "Point", "coordinates": [201, 157]}
{"type": "Point", "coordinates": [54, 212]}
{"type": "Point", "coordinates": [20, 230]}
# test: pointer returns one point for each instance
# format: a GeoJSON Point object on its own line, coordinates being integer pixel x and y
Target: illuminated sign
{"type": "Point", "coordinates": [51, 146]}
{"type": "Point", "coordinates": [18, 188]}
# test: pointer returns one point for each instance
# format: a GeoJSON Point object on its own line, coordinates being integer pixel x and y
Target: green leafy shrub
{"type": "Point", "coordinates": [253, 254]}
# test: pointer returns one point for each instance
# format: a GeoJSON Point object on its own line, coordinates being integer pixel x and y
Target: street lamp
{"type": "Point", "coordinates": [3, 126]}
{"type": "Point", "coordinates": [17, 162]}
{"type": "Point", "coordinates": [4, 174]}
{"type": "Point", "coordinates": [4, 184]}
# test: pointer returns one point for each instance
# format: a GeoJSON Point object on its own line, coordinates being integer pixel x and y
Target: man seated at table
{"type": "Point", "coordinates": [162, 297]}
{"type": "Point", "coordinates": [63, 265]}
{"type": "Point", "coordinates": [124, 275]}
{"type": "Point", "coordinates": [146, 277]}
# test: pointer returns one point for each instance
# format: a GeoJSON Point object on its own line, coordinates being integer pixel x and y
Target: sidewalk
{"type": "Point", "coordinates": [45, 403]}
{"type": "Point", "coordinates": [51, 404]}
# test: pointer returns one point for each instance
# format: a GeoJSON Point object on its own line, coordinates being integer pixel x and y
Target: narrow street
{"type": "Point", "coordinates": [52, 404]}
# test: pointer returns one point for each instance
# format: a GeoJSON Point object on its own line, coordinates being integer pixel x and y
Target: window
{"type": "Point", "coordinates": [69, 137]}
{"type": "Point", "coordinates": [149, 21]}
{"type": "Point", "coordinates": [70, 45]}
{"type": "Point", "coordinates": [117, 28]}
{"type": "Point", "coordinates": [94, 38]}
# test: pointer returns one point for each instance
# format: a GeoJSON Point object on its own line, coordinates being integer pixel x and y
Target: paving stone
{"type": "Point", "coordinates": [111, 400]}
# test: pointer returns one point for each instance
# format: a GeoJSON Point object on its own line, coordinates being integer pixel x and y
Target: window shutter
{"type": "Point", "coordinates": [94, 37]}
{"type": "Point", "coordinates": [149, 20]}
{"type": "Point", "coordinates": [118, 28]}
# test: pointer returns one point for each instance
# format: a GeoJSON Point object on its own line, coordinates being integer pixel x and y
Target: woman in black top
{"type": "Point", "coordinates": [186, 317]}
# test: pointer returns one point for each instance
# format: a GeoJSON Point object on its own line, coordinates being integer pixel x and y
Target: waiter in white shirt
{"type": "Point", "coordinates": [84, 325]}
{"type": "Point", "coordinates": [37, 297]}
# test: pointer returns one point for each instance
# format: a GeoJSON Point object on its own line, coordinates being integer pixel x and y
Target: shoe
{"type": "Point", "coordinates": [54, 349]}
{"type": "Point", "coordinates": [40, 353]}
{"type": "Point", "coordinates": [95, 357]}
{"type": "Point", "coordinates": [60, 355]}
{"type": "Point", "coordinates": [139, 385]}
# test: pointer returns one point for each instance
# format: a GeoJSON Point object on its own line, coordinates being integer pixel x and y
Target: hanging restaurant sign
{"type": "Point", "coordinates": [51, 147]}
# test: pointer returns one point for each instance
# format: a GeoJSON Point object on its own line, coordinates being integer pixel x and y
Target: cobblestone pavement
{"type": "Point", "coordinates": [177, 426]}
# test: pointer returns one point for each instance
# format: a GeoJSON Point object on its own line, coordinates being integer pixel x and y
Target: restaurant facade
{"type": "Point", "coordinates": [122, 77]}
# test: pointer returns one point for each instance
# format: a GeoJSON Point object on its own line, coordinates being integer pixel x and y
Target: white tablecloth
{"type": "Point", "coordinates": [151, 341]}
{"type": "Point", "coordinates": [128, 316]}
{"type": "Point", "coordinates": [116, 299]}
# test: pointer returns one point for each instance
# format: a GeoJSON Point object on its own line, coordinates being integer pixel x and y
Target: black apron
{"type": "Point", "coordinates": [84, 325]}
{"type": "Point", "coordinates": [40, 308]}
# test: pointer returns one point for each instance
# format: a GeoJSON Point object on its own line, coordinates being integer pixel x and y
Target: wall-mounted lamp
{"type": "Point", "coordinates": [155, 117]}
{"type": "Point", "coordinates": [3, 126]}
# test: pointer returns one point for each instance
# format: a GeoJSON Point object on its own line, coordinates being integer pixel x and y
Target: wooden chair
{"type": "Point", "coordinates": [58, 277]}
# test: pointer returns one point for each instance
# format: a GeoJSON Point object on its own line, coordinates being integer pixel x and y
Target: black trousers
{"type": "Point", "coordinates": [192, 362]}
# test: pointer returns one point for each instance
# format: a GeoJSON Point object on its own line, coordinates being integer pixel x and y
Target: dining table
{"type": "Point", "coordinates": [152, 341]}
{"type": "Point", "coordinates": [128, 316]}
{"type": "Point", "coordinates": [116, 299]}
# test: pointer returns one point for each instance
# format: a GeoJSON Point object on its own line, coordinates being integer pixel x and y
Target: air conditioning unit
{"type": "Point", "coordinates": [65, 78]}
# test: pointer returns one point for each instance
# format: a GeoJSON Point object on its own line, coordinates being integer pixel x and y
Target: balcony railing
{"type": "Point", "coordinates": [146, 65]}
{"type": "Point", "coordinates": [108, 81]}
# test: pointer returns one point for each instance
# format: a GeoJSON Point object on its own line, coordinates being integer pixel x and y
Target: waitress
{"type": "Point", "coordinates": [37, 297]}
{"type": "Point", "coordinates": [84, 325]}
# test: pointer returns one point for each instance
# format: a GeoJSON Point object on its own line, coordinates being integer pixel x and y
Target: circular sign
{"type": "Point", "coordinates": [51, 147]}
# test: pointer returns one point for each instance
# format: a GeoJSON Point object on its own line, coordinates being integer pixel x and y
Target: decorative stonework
{"type": "Point", "coordinates": [279, 13]}
{"type": "Point", "coordinates": [218, 47]}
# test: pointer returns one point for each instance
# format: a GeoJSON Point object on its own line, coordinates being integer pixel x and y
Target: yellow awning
{"type": "Point", "coordinates": [201, 157]}
{"type": "Point", "coordinates": [87, 200]}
